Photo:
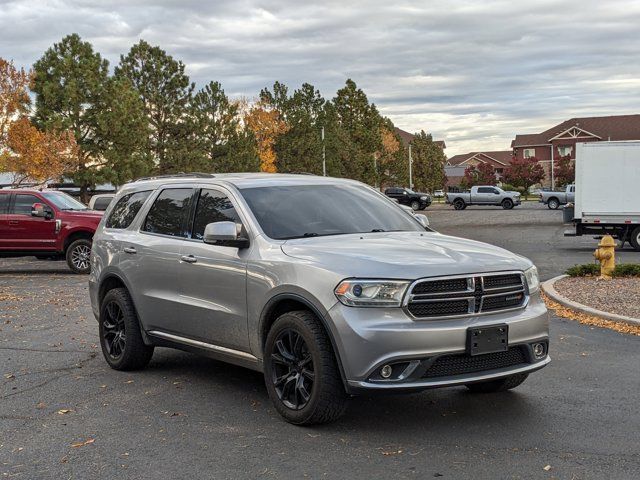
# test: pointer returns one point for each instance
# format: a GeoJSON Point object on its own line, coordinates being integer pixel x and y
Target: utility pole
{"type": "Point", "coordinates": [375, 170]}
{"type": "Point", "coordinates": [410, 174]}
{"type": "Point", "coordinates": [553, 179]}
{"type": "Point", "coordinates": [324, 157]}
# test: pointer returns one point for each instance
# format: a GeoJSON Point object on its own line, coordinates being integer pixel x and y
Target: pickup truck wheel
{"type": "Point", "coordinates": [120, 337]}
{"type": "Point", "coordinates": [553, 204]}
{"type": "Point", "coordinates": [507, 204]}
{"type": "Point", "coordinates": [500, 385]}
{"type": "Point", "coordinates": [634, 239]}
{"type": "Point", "coordinates": [415, 205]}
{"type": "Point", "coordinates": [78, 255]}
{"type": "Point", "coordinates": [459, 204]}
{"type": "Point", "coordinates": [301, 372]}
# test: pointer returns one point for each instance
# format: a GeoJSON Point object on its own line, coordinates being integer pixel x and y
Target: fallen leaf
{"type": "Point", "coordinates": [547, 468]}
{"type": "Point", "coordinates": [63, 411]}
{"type": "Point", "coordinates": [9, 376]}
{"type": "Point", "coordinates": [129, 381]}
{"type": "Point", "coordinates": [82, 444]}
{"type": "Point", "coordinates": [41, 405]}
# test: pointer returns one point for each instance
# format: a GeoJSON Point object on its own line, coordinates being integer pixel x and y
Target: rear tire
{"type": "Point", "coordinates": [120, 336]}
{"type": "Point", "coordinates": [78, 256]}
{"type": "Point", "coordinates": [459, 204]}
{"type": "Point", "coordinates": [507, 204]}
{"type": "Point", "coordinates": [634, 239]}
{"type": "Point", "coordinates": [553, 204]}
{"type": "Point", "coordinates": [301, 372]}
{"type": "Point", "coordinates": [500, 385]}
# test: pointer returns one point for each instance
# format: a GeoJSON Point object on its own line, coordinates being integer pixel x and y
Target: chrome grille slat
{"type": "Point", "coordinates": [433, 298]}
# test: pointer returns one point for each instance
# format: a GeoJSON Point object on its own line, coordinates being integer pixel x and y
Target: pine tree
{"type": "Point", "coordinates": [428, 163]}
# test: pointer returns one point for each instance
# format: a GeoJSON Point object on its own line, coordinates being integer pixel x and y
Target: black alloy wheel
{"type": "Point", "coordinates": [292, 369]}
{"type": "Point", "coordinates": [113, 330]}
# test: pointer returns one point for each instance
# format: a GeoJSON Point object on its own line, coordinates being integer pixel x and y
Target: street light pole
{"type": "Point", "coordinates": [410, 174]}
{"type": "Point", "coordinates": [324, 157]}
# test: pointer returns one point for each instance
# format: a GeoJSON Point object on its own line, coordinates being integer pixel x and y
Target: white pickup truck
{"type": "Point", "coordinates": [607, 193]}
{"type": "Point", "coordinates": [484, 195]}
{"type": "Point", "coordinates": [554, 199]}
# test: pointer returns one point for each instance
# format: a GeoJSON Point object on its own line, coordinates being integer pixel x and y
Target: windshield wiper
{"type": "Point", "coordinates": [375, 230]}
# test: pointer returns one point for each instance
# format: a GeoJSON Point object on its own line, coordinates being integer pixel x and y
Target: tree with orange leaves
{"type": "Point", "coordinates": [14, 96]}
{"type": "Point", "coordinates": [37, 156]}
{"type": "Point", "coordinates": [266, 124]}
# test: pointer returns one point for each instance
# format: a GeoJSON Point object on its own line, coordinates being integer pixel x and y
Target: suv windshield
{"type": "Point", "coordinates": [286, 212]}
{"type": "Point", "coordinates": [63, 201]}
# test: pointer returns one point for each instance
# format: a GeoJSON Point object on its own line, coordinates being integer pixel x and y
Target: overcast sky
{"type": "Point", "coordinates": [473, 73]}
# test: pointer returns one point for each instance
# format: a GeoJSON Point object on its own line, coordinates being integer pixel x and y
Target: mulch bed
{"type": "Point", "coordinates": [618, 295]}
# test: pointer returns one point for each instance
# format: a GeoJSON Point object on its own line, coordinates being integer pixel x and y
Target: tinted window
{"type": "Point", "coordinates": [102, 203]}
{"type": "Point", "coordinates": [126, 210]}
{"type": "Point", "coordinates": [4, 202]}
{"type": "Point", "coordinates": [485, 190]}
{"type": "Point", "coordinates": [212, 207]}
{"type": "Point", "coordinates": [169, 212]}
{"type": "Point", "coordinates": [314, 210]}
{"type": "Point", "coordinates": [23, 203]}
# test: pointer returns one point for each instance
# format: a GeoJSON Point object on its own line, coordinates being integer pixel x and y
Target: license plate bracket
{"type": "Point", "coordinates": [489, 339]}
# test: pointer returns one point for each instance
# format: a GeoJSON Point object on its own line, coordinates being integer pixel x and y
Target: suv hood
{"type": "Point", "coordinates": [406, 255]}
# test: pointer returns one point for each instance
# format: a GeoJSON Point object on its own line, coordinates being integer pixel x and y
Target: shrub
{"type": "Point", "coordinates": [593, 269]}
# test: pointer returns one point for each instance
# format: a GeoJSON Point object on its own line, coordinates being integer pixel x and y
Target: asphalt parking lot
{"type": "Point", "coordinates": [64, 414]}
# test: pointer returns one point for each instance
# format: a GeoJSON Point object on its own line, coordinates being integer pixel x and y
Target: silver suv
{"type": "Point", "coordinates": [325, 285]}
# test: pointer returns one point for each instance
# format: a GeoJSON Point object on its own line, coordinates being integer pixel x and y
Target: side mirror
{"type": "Point", "coordinates": [224, 234]}
{"type": "Point", "coordinates": [422, 219]}
{"type": "Point", "coordinates": [40, 210]}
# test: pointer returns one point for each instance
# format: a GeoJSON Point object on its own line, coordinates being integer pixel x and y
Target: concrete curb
{"type": "Point", "coordinates": [552, 293]}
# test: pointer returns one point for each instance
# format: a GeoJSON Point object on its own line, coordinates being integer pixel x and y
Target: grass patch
{"type": "Point", "coordinates": [593, 269]}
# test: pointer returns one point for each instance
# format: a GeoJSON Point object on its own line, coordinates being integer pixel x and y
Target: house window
{"type": "Point", "coordinates": [529, 152]}
{"type": "Point", "coordinates": [564, 150]}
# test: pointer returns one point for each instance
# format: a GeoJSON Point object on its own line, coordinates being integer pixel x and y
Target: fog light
{"type": "Point", "coordinates": [538, 350]}
{"type": "Point", "coordinates": [386, 371]}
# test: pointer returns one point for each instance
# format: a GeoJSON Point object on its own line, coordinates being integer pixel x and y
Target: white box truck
{"type": "Point", "coordinates": [607, 197]}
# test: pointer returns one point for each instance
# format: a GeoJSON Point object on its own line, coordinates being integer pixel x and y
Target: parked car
{"type": "Point", "coordinates": [483, 195]}
{"type": "Point", "coordinates": [554, 199]}
{"type": "Point", "coordinates": [47, 224]}
{"type": "Point", "coordinates": [344, 294]}
{"type": "Point", "coordinates": [101, 201]}
{"type": "Point", "coordinates": [406, 196]}
{"type": "Point", "coordinates": [438, 193]}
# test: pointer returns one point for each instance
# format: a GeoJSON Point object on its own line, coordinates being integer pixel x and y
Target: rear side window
{"type": "Point", "coordinates": [4, 203]}
{"type": "Point", "coordinates": [213, 206]}
{"type": "Point", "coordinates": [23, 203]}
{"type": "Point", "coordinates": [126, 209]}
{"type": "Point", "coordinates": [169, 213]}
{"type": "Point", "coordinates": [485, 190]}
{"type": "Point", "coordinates": [102, 203]}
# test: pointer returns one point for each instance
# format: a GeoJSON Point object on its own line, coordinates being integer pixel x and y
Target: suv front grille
{"type": "Point", "coordinates": [469, 295]}
{"type": "Point", "coordinates": [451, 365]}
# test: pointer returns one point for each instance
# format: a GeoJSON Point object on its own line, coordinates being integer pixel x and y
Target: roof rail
{"type": "Point", "coordinates": [177, 175]}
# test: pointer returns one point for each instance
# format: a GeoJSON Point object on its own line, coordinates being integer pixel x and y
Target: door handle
{"type": "Point", "coordinates": [188, 259]}
{"type": "Point", "coordinates": [14, 222]}
{"type": "Point", "coordinates": [130, 250]}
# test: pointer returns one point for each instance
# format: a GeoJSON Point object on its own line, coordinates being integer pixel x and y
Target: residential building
{"type": "Point", "coordinates": [560, 140]}
{"type": "Point", "coordinates": [406, 138]}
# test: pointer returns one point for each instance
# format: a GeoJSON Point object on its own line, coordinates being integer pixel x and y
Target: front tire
{"type": "Point", "coordinates": [120, 336]}
{"type": "Point", "coordinates": [507, 204]}
{"type": "Point", "coordinates": [78, 256]}
{"type": "Point", "coordinates": [415, 205]}
{"type": "Point", "coordinates": [553, 204]}
{"type": "Point", "coordinates": [500, 385]}
{"type": "Point", "coordinates": [301, 372]}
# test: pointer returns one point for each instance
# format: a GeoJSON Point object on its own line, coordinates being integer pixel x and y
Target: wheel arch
{"type": "Point", "coordinates": [76, 235]}
{"type": "Point", "coordinates": [288, 302]}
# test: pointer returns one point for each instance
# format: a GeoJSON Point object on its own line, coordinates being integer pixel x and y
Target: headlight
{"type": "Point", "coordinates": [423, 198]}
{"type": "Point", "coordinates": [533, 281]}
{"type": "Point", "coordinates": [371, 293]}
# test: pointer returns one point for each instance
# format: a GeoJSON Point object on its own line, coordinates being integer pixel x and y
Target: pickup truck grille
{"type": "Point", "coordinates": [466, 295]}
{"type": "Point", "coordinates": [451, 365]}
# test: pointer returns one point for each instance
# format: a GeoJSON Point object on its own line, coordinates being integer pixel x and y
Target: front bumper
{"type": "Point", "coordinates": [368, 338]}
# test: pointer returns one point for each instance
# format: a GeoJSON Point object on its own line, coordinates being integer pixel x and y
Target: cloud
{"type": "Point", "coordinates": [472, 72]}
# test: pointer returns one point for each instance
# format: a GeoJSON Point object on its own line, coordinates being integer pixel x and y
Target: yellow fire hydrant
{"type": "Point", "coordinates": [606, 255]}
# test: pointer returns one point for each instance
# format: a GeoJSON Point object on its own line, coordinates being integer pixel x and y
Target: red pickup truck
{"type": "Point", "coordinates": [47, 224]}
